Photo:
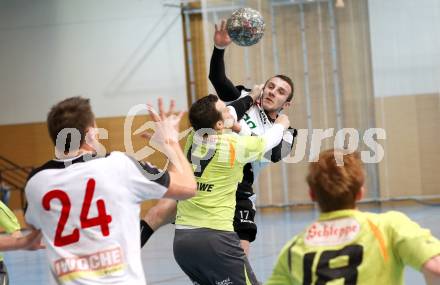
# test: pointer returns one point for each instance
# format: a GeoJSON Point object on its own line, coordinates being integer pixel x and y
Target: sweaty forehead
{"type": "Point", "coordinates": [278, 82]}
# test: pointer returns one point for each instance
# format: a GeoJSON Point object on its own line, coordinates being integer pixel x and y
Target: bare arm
{"type": "Point", "coordinates": [165, 138]}
{"type": "Point", "coordinates": [182, 180]}
{"type": "Point", "coordinates": [29, 242]}
{"type": "Point", "coordinates": [225, 89]}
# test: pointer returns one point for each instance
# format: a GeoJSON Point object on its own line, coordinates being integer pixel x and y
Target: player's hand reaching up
{"type": "Point", "coordinates": [221, 36]}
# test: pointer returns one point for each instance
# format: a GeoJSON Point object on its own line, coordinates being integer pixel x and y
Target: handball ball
{"type": "Point", "coordinates": [245, 26]}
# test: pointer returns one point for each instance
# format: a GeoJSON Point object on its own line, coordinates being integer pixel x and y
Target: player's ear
{"type": "Point", "coordinates": [219, 125]}
{"type": "Point", "coordinates": [312, 195]}
{"type": "Point", "coordinates": [91, 133]}
{"type": "Point", "coordinates": [287, 104]}
{"type": "Point", "coordinates": [360, 195]}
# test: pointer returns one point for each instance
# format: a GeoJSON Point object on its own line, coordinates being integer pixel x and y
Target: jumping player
{"type": "Point", "coordinates": [276, 96]}
{"type": "Point", "coordinates": [205, 244]}
{"type": "Point", "coordinates": [257, 118]}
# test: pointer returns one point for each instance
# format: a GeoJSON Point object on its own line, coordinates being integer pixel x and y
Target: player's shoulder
{"type": "Point", "coordinates": [230, 137]}
{"type": "Point", "coordinates": [295, 241]}
{"type": "Point", "coordinates": [117, 155]}
{"type": "Point", "coordinates": [51, 164]}
{"type": "Point", "coordinates": [387, 217]}
{"type": "Point", "coordinates": [126, 163]}
{"type": "Point", "coordinates": [59, 164]}
{"type": "Point", "coordinates": [124, 160]}
{"type": "Point", "coordinates": [387, 222]}
{"type": "Point", "coordinates": [235, 138]}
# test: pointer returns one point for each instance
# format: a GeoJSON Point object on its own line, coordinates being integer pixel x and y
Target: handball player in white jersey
{"type": "Point", "coordinates": [87, 206]}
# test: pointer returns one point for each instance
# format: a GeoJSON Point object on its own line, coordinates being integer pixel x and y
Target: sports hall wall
{"type": "Point", "coordinates": [117, 53]}
{"type": "Point", "coordinates": [370, 64]}
{"type": "Point", "coordinates": [386, 76]}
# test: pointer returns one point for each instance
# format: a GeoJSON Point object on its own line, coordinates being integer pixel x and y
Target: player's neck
{"type": "Point", "coordinates": [272, 114]}
{"type": "Point", "coordinates": [85, 149]}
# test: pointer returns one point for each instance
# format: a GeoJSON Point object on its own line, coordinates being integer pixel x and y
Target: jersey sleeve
{"type": "Point", "coordinates": [412, 243]}
{"type": "Point", "coordinates": [217, 75]}
{"type": "Point", "coordinates": [145, 180]}
{"type": "Point", "coordinates": [284, 147]}
{"type": "Point", "coordinates": [249, 148]}
{"type": "Point", "coordinates": [8, 221]}
{"type": "Point", "coordinates": [281, 272]}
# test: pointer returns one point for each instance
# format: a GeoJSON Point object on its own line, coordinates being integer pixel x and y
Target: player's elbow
{"type": "Point", "coordinates": [181, 187]}
{"type": "Point", "coordinates": [190, 189]}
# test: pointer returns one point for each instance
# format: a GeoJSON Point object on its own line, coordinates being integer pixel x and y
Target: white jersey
{"type": "Point", "coordinates": [88, 211]}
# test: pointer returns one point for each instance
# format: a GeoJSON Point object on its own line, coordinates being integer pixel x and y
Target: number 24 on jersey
{"type": "Point", "coordinates": [102, 219]}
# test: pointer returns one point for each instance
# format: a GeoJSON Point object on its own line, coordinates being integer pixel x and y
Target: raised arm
{"type": "Point", "coordinates": [217, 74]}
{"type": "Point", "coordinates": [182, 183]}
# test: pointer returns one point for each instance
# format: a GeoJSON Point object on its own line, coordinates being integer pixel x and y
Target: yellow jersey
{"type": "Point", "coordinates": [353, 247]}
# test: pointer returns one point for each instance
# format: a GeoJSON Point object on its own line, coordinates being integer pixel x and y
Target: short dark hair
{"type": "Point", "coordinates": [203, 113]}
{"type": "Point", "coordinates": [336, 187]}
{"type": "Point", "coordinates": [74, 112]}
{"type": "Point", "coordinates": [289, 81]}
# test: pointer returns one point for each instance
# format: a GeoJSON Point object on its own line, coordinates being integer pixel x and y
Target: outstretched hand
{"type": "Point", "coordinates": [166, 131]}
{"type": "Point", "coordinates": [221, 36]}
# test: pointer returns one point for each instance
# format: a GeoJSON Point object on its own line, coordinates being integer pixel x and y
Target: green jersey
{"type": "Point", "coordinates": [218, 163]}
{"type": "Point", "coordinates": [353, 247]}
{"type": "Point", "coordinates": [8, 221]}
